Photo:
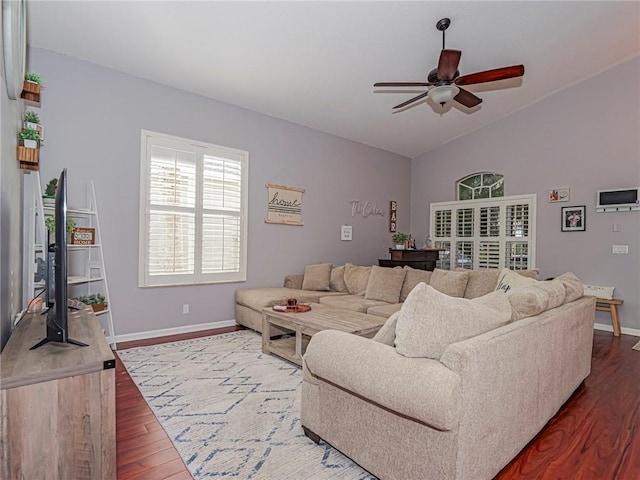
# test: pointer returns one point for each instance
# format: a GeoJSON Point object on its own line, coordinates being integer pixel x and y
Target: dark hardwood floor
{"type": "Point", "coordinates": [595, 436]}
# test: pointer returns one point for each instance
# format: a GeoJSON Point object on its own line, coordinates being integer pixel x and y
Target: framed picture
{"type": "Point", "coordinates": [574, 219]}
{"type": "Point", "coordinates": [559, 195]}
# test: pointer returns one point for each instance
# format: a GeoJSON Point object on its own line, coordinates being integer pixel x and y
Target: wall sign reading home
{"type": "Point", "coordinates": [284, 205]}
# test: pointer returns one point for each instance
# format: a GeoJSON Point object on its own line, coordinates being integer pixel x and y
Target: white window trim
{"type": "Point", "coordinates": [146, 281]}
{"type": "Point", "coordinates": [502, 202]}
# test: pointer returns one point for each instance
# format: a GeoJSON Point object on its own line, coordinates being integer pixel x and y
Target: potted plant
{"type": "Point", "coordinates": [50, 192]}
{"type": "Point", "coordinates": [50, 223]}
{"type": "Point", "coordinates": [96, 301]}
{"type": "Point", "coordinates": [29, 137]}
{"type": "Point", "coordinates": [32, 120]}
{"type": "Point", "coordinates": [399, 240]}
{"type": "Point", "coordinates": [32, 82]}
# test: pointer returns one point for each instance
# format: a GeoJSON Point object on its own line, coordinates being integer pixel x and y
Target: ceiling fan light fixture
{"type": "Point", "coordinates": [443, 94]}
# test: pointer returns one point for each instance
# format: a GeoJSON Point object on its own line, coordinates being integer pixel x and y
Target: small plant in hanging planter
{"type": "Point", "coordinates": [29, 137]}
{"type": "Point", "coordinates": [50, 223]}
{"type": "Point", "coordinates": [32, 82]}
{"type": "Point", "coordinates": [32, 120]}
{"type": "Point", "coordinates": [50, 192]}
{"type": "Point", "coordinates": [31, 86]}
{"type": "Point", "coordinates": [399, 240]}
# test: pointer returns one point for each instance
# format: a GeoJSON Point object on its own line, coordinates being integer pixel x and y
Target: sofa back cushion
{"type": "Point", "coordinates": [356, 278]}
{"type": "Point", "coordinates": [572, 286]}
{"type": "Point", "coordinates": [336, 283]}
{"type": "Point", "coordinates": [412, 278]}
{"type": "Point", "coordinates": [430, 320]}
{"type": "Point", "coordinates": [480, 282]}
{"type": "Point", "coordinates": [450, 282]}
{"type": "Point", "coordinates": [385, 284]}
{"type": "Point", "coordinates": [317, 277]}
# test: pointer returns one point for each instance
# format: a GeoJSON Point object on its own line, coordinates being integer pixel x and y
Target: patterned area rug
{"type": "Point", "coordinates": [232, 411]}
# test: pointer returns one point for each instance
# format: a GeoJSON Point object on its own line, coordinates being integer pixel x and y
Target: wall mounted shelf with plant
{"type": "Point", "coordinates": [28, 149]}
{"type": "Point", "coordinates": [31, 87]}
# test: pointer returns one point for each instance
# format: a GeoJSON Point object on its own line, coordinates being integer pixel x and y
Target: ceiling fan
{"type": "Point", "coordinates": [447, 81]}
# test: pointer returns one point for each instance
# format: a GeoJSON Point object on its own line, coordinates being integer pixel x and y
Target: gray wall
{"type": "Point", "coordinates": [93, 117]}
{"type": "Point", "coordinates": [585, 138]}
{"type": "Point", "coordinates": [10, 213]}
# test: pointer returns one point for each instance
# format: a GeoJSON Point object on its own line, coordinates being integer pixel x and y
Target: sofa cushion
{"type": "Point", "coordinates": [449, 282]}
{"type": "Point", "coordinates": [412, 278]}
{"type": "Point", "coordinates": [384, 311]}
{"type": "Point", "coordinates": [259, 298]}
{"type": "Point", "coordinates": [510, 279]}
{"type": "Point", "coordinates": [356, 278]}
{"type": "Point", "coordinates": [317, 277]}
{"type": "Point", "coordinates": [527, 301]}
{"type": "Point", "coordinates": [387, 333]}
{"type": "Point", "coordinates": [357, 303]}
{"type": "Point", "coordinates": [572, 286]}
{"type": "Point", "coordinates": [430, 320]}
{"type": "Point", "coordinates": [336, 283]}
{"type": "Point", "coordinates": [555, 291]}
{"type": "Point", "coordinates": [385, 284]}
{"type": "Point", "coordinates": [480, 282]}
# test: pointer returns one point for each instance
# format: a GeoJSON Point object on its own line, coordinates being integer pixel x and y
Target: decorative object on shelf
{"type": "Point", "coordinates": [284, 204]}
{"type": "Point", "coordinates": [427, 243]}
{"type": "Point", "coordinates": [31, 87]}
{"type": "Point", "coordinates": [393, 212]}
{"type": "Point", "coordinates": [83, 236]}
{"type": "Point", "coordinates": [50, 223]}
{"type": "Point", "coordinates": [559, 195]}
{"type": "Point", "coordinates": [399, 240]}
{"type": "Point", "coordinates": [14, 45]}
{"type": "Point", "coordinates": [48, 199]}
{"type": "Point", "coordinates": [32, 120]}
{"type": "Point", "coordinates": [96, 301]}
{"type": "Point", "coordinates": [574, 219]}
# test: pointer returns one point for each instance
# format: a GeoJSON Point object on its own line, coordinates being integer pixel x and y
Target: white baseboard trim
{"type": "Point", "coordinates": [608, 328]}
{"type": "Point", "coordinates": [174, 331]}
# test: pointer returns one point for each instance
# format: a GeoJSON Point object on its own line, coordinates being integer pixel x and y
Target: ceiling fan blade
{"type": "Point", "coordinates": [448, 64]}
{"type": "Point", "coordinates": [402, 84]}
{"type": "Point", "coordinates": [467, 98]}
{"type": "Point", "coordinates": [491, 75]}
{"type": "Point", "coordinates": [414, 99]}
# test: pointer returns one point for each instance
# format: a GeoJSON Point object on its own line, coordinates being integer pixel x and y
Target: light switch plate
{"type": "Point", "coordinates": [620, 249]}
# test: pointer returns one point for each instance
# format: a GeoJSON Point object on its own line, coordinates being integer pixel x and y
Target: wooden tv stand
{"type": "Point", "coordinates": [58, 403]}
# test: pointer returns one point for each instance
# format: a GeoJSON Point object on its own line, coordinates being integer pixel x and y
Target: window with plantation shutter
{"type": "Point", "coordinates": [193, 215]}
{"type": "Point", "coordinates": [485, 233]}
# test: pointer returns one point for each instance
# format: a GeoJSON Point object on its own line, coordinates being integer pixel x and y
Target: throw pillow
{"type": "Point", "coordinates": [430, 321]}
{"type": "Point", "coordinates": [337, 279]}
{"type": "Point", "coordinates": [317, 277]}
{"type": "Point", "coordinates": [572, 286]}
{"type": "Point", "coordinates": [385, 284]}
{"type": "Point", "coordinates": [509, 279]}
{"type": "Point", "coordinates": [356, 278]}
{"type": "Point", "coordinates": [412, 278]}
{"type": "Point", "coordinates": [449, 282]}
{"type": "Point", "coordinates": [387, 333]}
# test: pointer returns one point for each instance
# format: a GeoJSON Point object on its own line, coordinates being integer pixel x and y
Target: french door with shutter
{"type": "Point", "coordinates": [485, 233]}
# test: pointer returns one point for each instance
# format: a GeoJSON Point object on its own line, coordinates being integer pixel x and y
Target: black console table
{"type": "Point", "coordinates": [421, 259]}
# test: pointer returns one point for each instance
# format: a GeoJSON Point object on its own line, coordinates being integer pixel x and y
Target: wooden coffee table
{"type": "Point", "coordinates": [306, 324]}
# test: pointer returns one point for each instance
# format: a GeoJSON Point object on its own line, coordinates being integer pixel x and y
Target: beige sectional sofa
{"type": "Point", "coordinates": [367, 289]}
{"type": "Point", "coordinates": [451, 388]}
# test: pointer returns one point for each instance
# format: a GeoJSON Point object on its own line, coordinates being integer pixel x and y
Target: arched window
{"type": "Point", "coordinates": [480, 185]}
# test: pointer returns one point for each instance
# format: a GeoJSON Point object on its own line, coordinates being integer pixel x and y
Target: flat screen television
{"type": "Point", "coordinates": [57, 315]}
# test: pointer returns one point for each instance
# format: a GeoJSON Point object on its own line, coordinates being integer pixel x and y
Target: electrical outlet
{"type": "Point", "coordinates": [185, 309]}
{"type": "Point", "coordinates": [620, 249]}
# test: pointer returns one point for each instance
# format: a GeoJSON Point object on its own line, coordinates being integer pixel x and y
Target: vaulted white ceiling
{"type": "Point", "coordinates": [315, 63]}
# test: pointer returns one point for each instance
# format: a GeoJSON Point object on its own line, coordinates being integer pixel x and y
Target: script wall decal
{"type": "Point", "coordinates": [365, 209]}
